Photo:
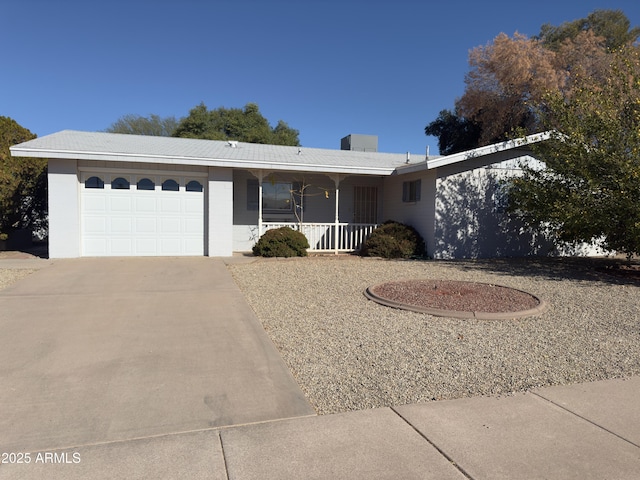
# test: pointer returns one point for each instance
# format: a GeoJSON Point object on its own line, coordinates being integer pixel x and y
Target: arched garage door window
{"type": "Point", "coordinates": [146, 184]}
{"type": "Point", "coordinates": [119, 184]}
{"type": "Point", "coordinates": [170, 185]}
{"type": "Point", "coordinates": [194, 186]}
{"type": "Point", "coordinates": [94, 182]}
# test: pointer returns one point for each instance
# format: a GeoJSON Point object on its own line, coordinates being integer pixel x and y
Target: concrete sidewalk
{"type": "Point", "coordinates": [584, 431]}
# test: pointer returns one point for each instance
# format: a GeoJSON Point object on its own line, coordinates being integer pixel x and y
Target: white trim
{"type": "Point", "coordinates": [487, 150]}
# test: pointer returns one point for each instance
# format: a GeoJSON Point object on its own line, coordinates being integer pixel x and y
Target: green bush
{"type": "Point", "coordinates": [394, 240]}
{"type": "Point", "coordinates": [281, 242]}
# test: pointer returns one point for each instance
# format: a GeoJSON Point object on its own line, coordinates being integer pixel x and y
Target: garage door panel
{"type": "Point", "coordinates": [192, 204]}
{"type": "Point", "coordinates": [146, 205]}
{"type": "Point", "coordinates": [193, 226]}
{"type": "Point", "coordinates": [121, 246]}
{"type": "Point", "coordinates": [94, 225]}
{"type": "Point", "coordinates": [170, 246]}
{"type": "Point", "coordinates": [95, 204]}
{"type": "Point", "coordinates": [170, 226]}
{"type": "Point", "coordinates": [193, 246]}
{"type": "Point", "coordinates": [148, 225]}
{"type": "Point", "coordinates": [141, 222]}
{"type": "Point", "coordinates": [119, 204]}
{"type": "Point", "coordinates": [121, 225]}
{"type": "Point", "coordinates": [95, 246]}
{"type": "Point", "coordinates": [170, 205]}
{"type": "Point", "coordinates": [146, 246]}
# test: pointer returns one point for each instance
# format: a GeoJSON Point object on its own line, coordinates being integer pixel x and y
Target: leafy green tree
{"type": "Point", "coordinates": [455, 133]}
{"type": "Point", "coordinates": [589, 188]}
{"type": "Point", "coordinates": [139, 125]}
{"type": "Point", "coordinates": [612, 25]}
{"type": "Point", "coordinates": [243, 124]}
{"type": "Point", "coordinates": [284, 135]}
{"type": "Point", "coordinates": [23, 182]}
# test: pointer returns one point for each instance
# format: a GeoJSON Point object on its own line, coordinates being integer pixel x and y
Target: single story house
{"type": "Point", "coordinates": [129, 195]}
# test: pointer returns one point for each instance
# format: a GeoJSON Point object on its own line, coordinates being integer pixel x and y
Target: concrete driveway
{"type": "Point", "coordinates": [103, 350]}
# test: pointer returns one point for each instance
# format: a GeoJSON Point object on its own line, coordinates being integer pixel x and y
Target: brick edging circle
{"type": "Point", "coordinates": [461, 314]}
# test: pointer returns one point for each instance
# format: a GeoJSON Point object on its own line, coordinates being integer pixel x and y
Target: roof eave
{"type": "Point", "coordinates": [518, 143]}
{"type": "Point", "coordinates": [199, 161]}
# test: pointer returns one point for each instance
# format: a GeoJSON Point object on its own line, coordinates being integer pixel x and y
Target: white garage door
{"type": "Point", "coordinates": [142, 215]}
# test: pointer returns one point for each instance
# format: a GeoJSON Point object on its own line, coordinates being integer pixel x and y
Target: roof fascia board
{"type": "Point", "coordinates": [206, 162]}
{"type": "Point", "coordinates": [411, 168]}
{"type": "Point", "coordinates": [488, 150]}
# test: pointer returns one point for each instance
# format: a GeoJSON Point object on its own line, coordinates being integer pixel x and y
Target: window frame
{"type": "Point", "coordinates": [145, 187]}
{"type": "Point", "coordinates": [99, 185]}
{"type": "Point", "coordinates": [189, 186]}
{"type": "Point", "coordinates": [116, 185]}
{"type": "Point", "coordinates": [411, 191]}
{"type": "Point", "coordinates": [286, 196]}
{"type": "Point", "coordinates": [166, 183]}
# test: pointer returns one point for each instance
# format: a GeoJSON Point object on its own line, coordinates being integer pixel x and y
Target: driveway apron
{"type": "Point", "coordinates": [100, 350]}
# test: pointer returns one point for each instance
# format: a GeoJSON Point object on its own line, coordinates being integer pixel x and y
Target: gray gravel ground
{"type": "Point", "coordinates": [349, 353]}
{"type": "Point", "coordinates": [9, 276]}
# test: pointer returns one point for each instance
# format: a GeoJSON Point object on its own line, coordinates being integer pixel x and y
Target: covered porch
{"type": "Point", "coordinates": [336, 212]}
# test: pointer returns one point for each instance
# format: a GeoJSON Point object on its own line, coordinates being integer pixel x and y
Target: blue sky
{"type": "Point", "coordinates": [328, 68]}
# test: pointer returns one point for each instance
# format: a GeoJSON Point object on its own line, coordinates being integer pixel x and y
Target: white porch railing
{"type": "Point", "coordinates": [323, 237]}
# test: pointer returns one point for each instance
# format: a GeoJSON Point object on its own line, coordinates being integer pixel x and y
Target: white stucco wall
{"type": "Point", "coordinates": [219, 221]}
{"type": "Point", "coordinates": [471, 219]}
{"type": "Point", "coordinates": [420, 214]}
{"type": "Point", "coordinates": [64, 209]}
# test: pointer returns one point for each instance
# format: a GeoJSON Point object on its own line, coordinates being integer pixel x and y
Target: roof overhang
{"type": "Point", "coordinates": [94, 146]}
{"type": "Point", "coordinates": [98, 146]}
{"type": "Point", "coordinates": [520, 146]}
{"type": "Point", "coordinates": [19, 151]}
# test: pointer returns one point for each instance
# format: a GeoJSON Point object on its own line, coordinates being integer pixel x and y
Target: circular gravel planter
{"type": "Point", "coordinates": [456, 299]}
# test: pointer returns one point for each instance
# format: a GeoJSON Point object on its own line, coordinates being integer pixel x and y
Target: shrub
{"type": "Point", "coordinates": [281, 242]}
{"type": "Point", "coordinates": [394, 240]}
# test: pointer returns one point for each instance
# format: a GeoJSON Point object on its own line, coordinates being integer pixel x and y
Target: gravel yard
{"type": "Point", "coordinates": [349, 353]}
{"type": "Point", "coordinates": [9, 276]}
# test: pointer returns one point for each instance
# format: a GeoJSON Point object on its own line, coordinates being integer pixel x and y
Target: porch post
{"type": "Point", "coordinates": [260, 207]}
{"type": "Point", "coordinates": [259, 174]}
{"type": "Point", "coordinates": [259, 203]}
{"type": "Point", "coordinates": [336, 233]}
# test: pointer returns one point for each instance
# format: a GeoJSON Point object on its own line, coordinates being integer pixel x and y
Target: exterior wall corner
{"type": "Point", "coordinates": [64, 209]}
{"type": "Point", "coordinates": [219, 221]}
